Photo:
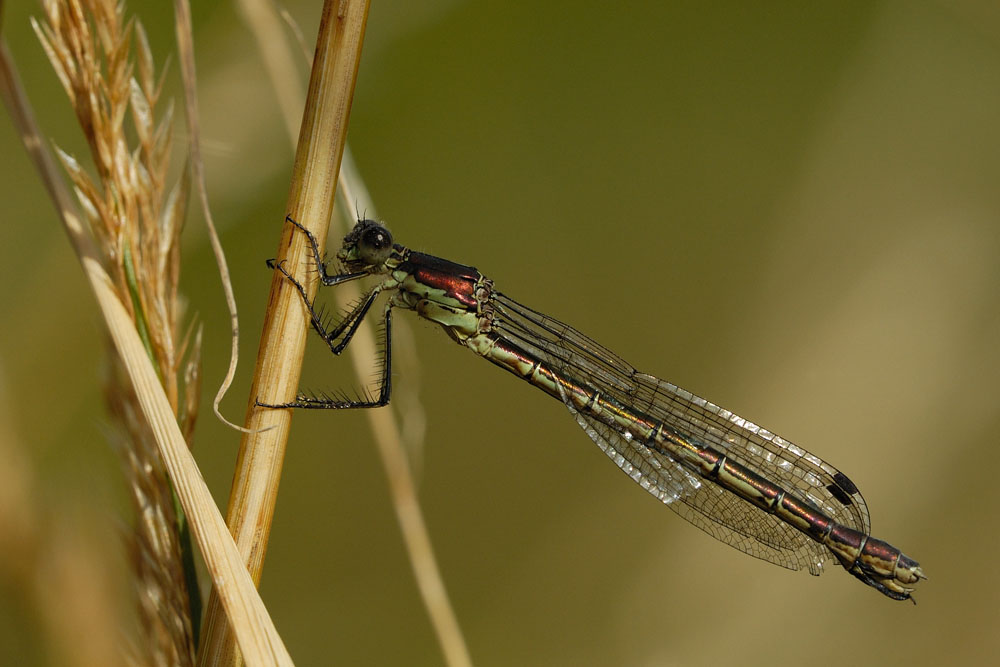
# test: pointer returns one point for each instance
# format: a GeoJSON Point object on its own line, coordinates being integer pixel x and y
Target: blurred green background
{"type": "Point", "coordinates": [790, 209]}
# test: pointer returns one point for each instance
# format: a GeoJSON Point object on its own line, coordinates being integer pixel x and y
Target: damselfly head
{"type": "Point", "coordinates": [369, 244]}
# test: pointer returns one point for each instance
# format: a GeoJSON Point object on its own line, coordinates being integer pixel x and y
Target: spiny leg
{"type": "Point", "coordinates": [385, 389]}
{"type": "Point", "coordinates": [350, 323]}
{"type": "Point", "coordinates": [327, 279]}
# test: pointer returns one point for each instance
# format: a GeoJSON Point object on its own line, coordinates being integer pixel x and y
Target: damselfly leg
{"type": "Point", "coordinates": [339, 336]}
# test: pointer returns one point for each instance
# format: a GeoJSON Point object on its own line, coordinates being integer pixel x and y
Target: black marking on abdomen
{"type": "Point", "coordinates": [843, 489]}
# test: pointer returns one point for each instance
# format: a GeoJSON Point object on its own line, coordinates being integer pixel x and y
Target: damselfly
{"type": "Point", "coordinates": [738, 482]}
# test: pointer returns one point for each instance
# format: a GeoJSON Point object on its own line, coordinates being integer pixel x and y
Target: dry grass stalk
{"type": "Point", "coordinates": [389, 438]}
{"type": "Point", "coordinates": [185, 50]}
{"type": "Point", "coordinates": [165, 636]}
{"type": "Point", "coordinates": [249, 619]}
{"type": "Point", "coordinates": [136, 221]}
{"type": "Point", "coordinates": [393, 437]}
{"type": "Point", "coordinates": [279, 361]}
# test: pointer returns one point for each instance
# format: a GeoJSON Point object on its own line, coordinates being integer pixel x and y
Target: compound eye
{"type": "Point", "coordinates": [375, 245]}
{"type": "Point", "coordinates": [377, 238]}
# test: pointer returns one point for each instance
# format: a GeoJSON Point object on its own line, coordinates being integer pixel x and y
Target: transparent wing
{"type": "Point", "coordinates": [726, 517]}
{"type": "Point", "coordinates": [715, 510]}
